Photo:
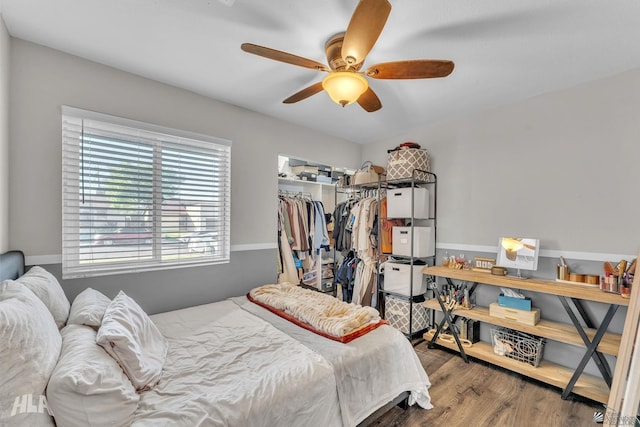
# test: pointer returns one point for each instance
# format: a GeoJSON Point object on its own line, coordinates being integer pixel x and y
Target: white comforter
{"type": "Point", "coordinates": [234, 363]}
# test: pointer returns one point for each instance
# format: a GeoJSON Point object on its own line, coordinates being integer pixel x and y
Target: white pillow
{"type": "Point", "coordinates": [88, 308]}
{"type": "Point", "coordinates": [87, 387]}
{"type": "Point", "coordinates": [47, 288]}
{"type": "Point", "coordinates": [131, 338]}
{"type": "Point", "coordinates": [29, 349]}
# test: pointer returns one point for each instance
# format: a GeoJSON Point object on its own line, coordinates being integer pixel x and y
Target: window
{"type": "Point", "coordinates": [140, 197]}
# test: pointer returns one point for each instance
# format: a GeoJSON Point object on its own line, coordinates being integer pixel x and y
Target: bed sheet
{"type": "Point", "coordinates": [226, 367]}
{"type": "Point", "coordinates": [234, 363]}
{"type": "Point", "coordinates": [370, 371]}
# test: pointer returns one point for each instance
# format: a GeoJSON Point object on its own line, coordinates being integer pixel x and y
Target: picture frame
{"type": "Point", "coordinates": [518, 252]}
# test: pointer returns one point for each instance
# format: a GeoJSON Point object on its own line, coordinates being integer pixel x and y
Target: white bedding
{"type": "Point", "coordinates": [234, 363]}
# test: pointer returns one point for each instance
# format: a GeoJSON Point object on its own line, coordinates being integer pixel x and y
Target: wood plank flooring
{"type": "Point", "coordinates": [479, 394]}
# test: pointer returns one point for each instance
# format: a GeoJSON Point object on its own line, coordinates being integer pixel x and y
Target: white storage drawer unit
{"type": "Point", "coordinates": [399, 203]}
{"type": "Point", "coordinates": [424, 244]}
{"type": "Point", "coordinates": [397, 278]}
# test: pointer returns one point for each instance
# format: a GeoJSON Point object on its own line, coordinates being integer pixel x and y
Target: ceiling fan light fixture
{"type": "Point", "coordinates": [512, 245]}
{"type": "Point", "coordinates": [345, 87]}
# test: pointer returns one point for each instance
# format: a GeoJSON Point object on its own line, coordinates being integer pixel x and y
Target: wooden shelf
{"type": "Point", "coordinates": [302, 181]}
{"type": "Point", "coordinates": [587, 293]}
{"type": "Point", "coordinates": [556, 331]}
{"type": "Point", "coordinates": [588, 386]}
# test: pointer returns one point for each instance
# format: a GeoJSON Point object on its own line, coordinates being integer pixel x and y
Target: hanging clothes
{"type": "Point", "coordinates": [342, 225]}
{"type": "Point", "coordinates": [302, 236]}
{"type": "Point", "coordinates": [320, 234]}
{"type": "Point", "coordinates": [365, 282]}
{"type": "Point", "coordinates": [355, 231]}
{"type": "Point", "coordinates": [386, 228]}
{"type": "Point", "coordinates": [364, 217]}
{"type": "Point", "coordinates": [345, 275]}
{"type": "Point", "coordinates": [288, 272]}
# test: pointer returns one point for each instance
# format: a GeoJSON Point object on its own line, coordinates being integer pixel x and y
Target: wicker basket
{"type": "Point", "coordinates": [517, 345]}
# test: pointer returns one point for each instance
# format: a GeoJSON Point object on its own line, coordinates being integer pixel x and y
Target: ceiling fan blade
{"type": "Point", "coordinates": [414, 69]}
{"type": "Point", "coordinates": [365, 26]}
{"type": "Point", "coordinates": [282, 56]}
{"type": "Point", "coordinates": [304, 93]}
{"type": "Point", "coordinates": [369, 101]}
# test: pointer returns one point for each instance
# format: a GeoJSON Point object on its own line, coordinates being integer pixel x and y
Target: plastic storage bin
{"type": "Point", "coordinates": [424, 244]}
{"type": "Point", "coordinates": [399, 203]}
{"type": "Point", "coordinates": [397, 278]}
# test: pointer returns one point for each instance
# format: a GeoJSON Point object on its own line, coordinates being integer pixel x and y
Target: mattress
{"type": "Point", "coordinates": [234, 363]}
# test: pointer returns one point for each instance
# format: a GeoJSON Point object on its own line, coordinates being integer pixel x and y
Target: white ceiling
{"type": "Point", "coordinates": [504, 51]}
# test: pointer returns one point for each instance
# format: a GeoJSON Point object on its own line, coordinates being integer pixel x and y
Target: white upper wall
{"type": "Point", "coordinates": [44, 79]}
{"type": "Point", "coordinates": [562, 167]}
{"type": "Point", "coordinates": [4, 137]}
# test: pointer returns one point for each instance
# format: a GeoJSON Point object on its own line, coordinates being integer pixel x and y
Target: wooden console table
{"type": "Point", "coordinates": [595, 339]}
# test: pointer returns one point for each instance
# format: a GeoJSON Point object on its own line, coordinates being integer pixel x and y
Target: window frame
{"type": "Point", "coordinates": [160, 140]}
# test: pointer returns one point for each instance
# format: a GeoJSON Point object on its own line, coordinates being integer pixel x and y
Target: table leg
{"type": "Point", "coordinates": [603, 362]}
{"type": "Point", "coordinates": [591, 347]}
{"type": "Point", "coordinates": [448, 319]}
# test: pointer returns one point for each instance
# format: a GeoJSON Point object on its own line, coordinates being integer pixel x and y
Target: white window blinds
{"type": "Point", "coordinates": [141, 197]}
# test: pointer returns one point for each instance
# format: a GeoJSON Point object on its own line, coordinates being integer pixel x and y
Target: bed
{"type": "Point", "coordinates": [231, 362]}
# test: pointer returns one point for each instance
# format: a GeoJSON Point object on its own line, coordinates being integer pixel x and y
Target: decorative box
{"type": "Point", "coordinates": [399, 203]}
{"type": "Point", "coordinates": [324, 170]}
{"type": "Point", "coordinates": [518, 303]}
{"type": "Point", "coordinates": [424, 244]}
{"type": "Point", "coordinates": [336, 174]}
{"type": "Point", "coordinates": [296, 162]}
{"type": "Point", "coordinates": [396, 312]}
{"type": "Point", "coordinates": [521, 316]}
{"type": "Point", "coordinates": [308, 176]}
{"type": "Point", "coordinates": [397, 278]}
{"type": "Point", "coordinates": [297, 170]}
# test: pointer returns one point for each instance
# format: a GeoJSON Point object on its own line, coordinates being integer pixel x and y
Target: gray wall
{"type": "Point", "coordinates": [165, 290]}
{"type": "Point", "coordinates": [43, 79]}
{"type": "Point", "coordinates": [4, 137]}
{"type": "Point", "coordinates": [560, 167]}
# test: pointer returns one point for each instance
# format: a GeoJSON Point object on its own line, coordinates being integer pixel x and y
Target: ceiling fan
{"type": "Point", "coordinates": [346, 53]}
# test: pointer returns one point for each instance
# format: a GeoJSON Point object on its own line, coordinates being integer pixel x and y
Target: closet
{"type": "Point", "coordinates": [305, 224]}
{"type": "Point", "coordinates": [302, 237]}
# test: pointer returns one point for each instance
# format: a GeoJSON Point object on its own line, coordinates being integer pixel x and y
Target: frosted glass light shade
{"type": "Point", "coordinates": [511, 244]}
{"type": "Point", "coordinates": [344, 87]}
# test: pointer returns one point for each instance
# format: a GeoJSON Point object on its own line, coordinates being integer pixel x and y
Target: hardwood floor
{"type": "Point", "coordinates": [479, 394]}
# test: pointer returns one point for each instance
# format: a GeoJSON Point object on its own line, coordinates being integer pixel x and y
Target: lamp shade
{"type": "Point", "coordinates": [344, 87]}
{"type": "Point", "coordinates": [511, 244]}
